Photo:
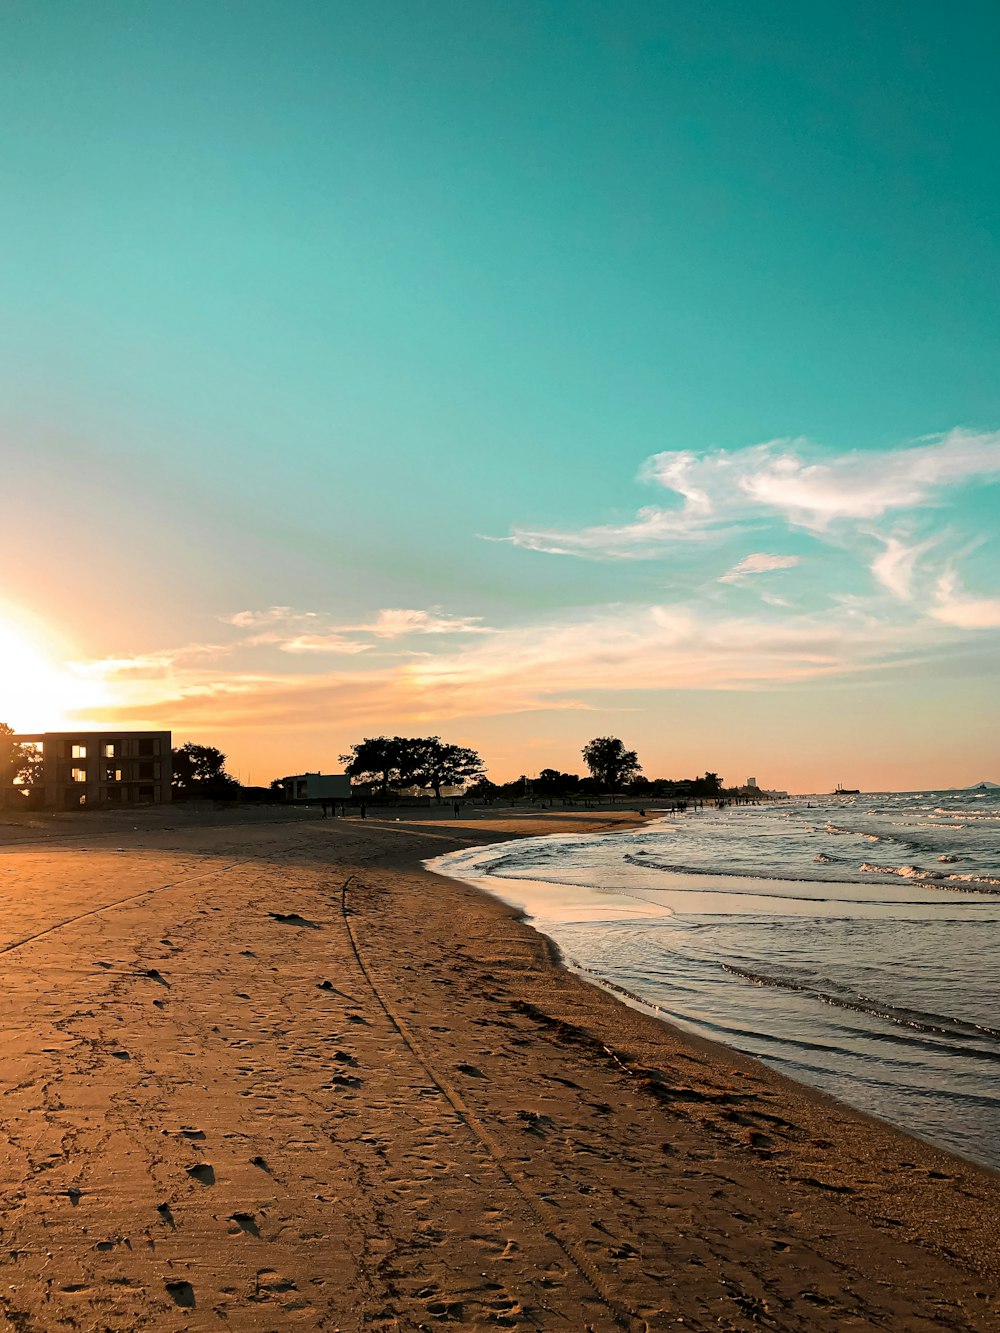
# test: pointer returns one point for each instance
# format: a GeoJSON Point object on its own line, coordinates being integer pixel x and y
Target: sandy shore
{"type": "Point", "coordinates": [270, 1075]}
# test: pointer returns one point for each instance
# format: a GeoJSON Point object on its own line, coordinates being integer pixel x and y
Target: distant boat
{"type": "Point", "coordinates": [840, 790]}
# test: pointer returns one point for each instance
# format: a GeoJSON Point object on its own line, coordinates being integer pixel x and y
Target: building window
{"type": "Point", "coordinates": [78, 775]}
{"type": "Point", "coordinates": [112, 774]}
{"type": "Point", "coordinates": [112, 750]}
{"type": "Point", "coordinates": [145, 771]}
{"type": "Point", "coordinates": [147, 746]}
{"type": "Point", "coordinates": [79, 752]}
{"type": "Point", "coordinates": [145, 793]}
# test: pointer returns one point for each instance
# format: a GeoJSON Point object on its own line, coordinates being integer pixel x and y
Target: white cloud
{"type": "Point", "coordinates": [651, 529]}
{"type": "Point", "coordinates": [956, 607]}
{"type": "Point", "coordinates": [894, 566]}
{"type": "Point", "coordinates": [393, 623]}
{"type": "Point", "coordinates": [323, 643]}
{"type": "Point", "coordinates": [789, 479]}
{"type": "Point", "coordinates": [274, 615]}
{"type": "Point", "coordinates": [758, 563]}
{"type": "Point", "coordinates": [282, 627]}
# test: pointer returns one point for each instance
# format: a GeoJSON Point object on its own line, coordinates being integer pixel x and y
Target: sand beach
{"type": "Point", "coordinates": [266, 1073]}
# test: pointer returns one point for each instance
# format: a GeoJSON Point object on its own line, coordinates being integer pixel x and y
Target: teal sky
{"type": "Point", "coordinates": [304, 301]}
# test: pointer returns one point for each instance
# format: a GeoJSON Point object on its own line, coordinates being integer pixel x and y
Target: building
{"type": "Point", "coordinates": [93, 768]}
{"type": "Point", "coordinates": [316, 787]}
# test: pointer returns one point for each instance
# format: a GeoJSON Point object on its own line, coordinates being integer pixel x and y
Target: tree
{"type": "Point", "coordinates": [609, 762]}
{"type": "Point", "coordinates": [375, 759]}
{"type": "Point", "coordinates": [550, 782]}
{"type": "Point", "coordinates": [439, 764]}
{"type": "Point", "coordinates": [199, 773]}
{"type": "Point", "coordinates": [19, 763]}
{"type": "Point", "coordinates": [406, 761]}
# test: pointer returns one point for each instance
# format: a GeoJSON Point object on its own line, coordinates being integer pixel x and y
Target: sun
{"type": "Point", "coordinates": [36, 692]}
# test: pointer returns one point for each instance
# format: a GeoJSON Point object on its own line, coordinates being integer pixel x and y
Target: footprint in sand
{"type": "Point", "coordinates": [470, 1070]}
{"type": "Point", "coordinates": [165, 1214]}
{"type": "Point", "coordinates": [345, 1081]}
{"type": "Point", "coordinates": [244, 1222]}
{"type": "Point", "coordinates": [181, 1293]}
{"type": "Point", "coordinates": [202, 1172]}
{"type": "Point", "coordinates": [535, 1123]}
{"type": "Point", "coordinates": [293, 919]}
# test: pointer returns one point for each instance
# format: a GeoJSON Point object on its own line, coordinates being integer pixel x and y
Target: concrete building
{"type": "Point", "coordinates": [316, 787]}
{"type": "Point", "coordinates": [88, 768]}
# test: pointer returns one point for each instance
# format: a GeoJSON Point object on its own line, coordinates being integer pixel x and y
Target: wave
{"type": "Point", "coordinates": [907, 872]}
{"type": "Point", "coordinates": [921, 1021]}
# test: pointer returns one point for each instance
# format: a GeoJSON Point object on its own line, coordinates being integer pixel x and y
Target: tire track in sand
{"type": "Point", "coordinates": [622, 1315]}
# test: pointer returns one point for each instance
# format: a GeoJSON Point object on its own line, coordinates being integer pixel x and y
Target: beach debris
{"type": "Point", "coordinates": [202, 1172]}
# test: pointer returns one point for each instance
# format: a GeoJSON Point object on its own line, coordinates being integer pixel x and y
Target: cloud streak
{"type": "Point", "coordinates": [758, 563]}
{"type": "Point", "coordinates": [787, 479]}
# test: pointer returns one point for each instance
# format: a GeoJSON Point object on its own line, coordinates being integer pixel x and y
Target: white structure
{"type": "Point", "coordinates": [316, 787]}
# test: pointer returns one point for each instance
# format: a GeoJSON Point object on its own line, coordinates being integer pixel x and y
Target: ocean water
{"type": "Point", "coordinates": [851, 942]}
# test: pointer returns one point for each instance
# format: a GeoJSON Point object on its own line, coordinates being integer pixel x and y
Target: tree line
{"type": "Point", "coordinates": [380, 765]}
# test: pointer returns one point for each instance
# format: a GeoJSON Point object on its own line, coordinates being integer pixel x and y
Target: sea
{"type": "Point", "coordinates": [851, 942]}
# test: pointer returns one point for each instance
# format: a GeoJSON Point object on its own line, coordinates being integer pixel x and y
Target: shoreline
{"type": "Point", "coordinates": [266, 1074]}
{"type": "Point", "coordinates": [547, 905]}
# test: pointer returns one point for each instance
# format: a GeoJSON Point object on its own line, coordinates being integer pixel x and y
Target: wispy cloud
{"type": "Point", "coordinates": [294, 631]}
{"type": "Point", "coordinates": [788, 479]}
{"type": "Point", "coordinates": [956, 607]}
{"type": "Point", "coordinates": [323, 643]}
{"type": "Point", "coordinates": [572, 662]}
{"type": "Point", "coordinates": [758, 563]}
{"type": "Point", "coordinates": [272, 615]}
{"type": "Point", "coordinates": [895, 565]}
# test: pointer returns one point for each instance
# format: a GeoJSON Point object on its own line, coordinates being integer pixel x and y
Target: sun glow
{"type": "Point", "coordinates": [37, 694]}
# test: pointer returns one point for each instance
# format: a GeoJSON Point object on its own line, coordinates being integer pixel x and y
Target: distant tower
{"type": "Point", "coordinates": [751, 782]}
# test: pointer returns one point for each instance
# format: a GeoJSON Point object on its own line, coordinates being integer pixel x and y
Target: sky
{"type": "Point", "coordinates": [518, 373]}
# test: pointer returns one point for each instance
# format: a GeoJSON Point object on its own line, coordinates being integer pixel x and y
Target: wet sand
{"type": "Point", "coordinates": [265, 1075]}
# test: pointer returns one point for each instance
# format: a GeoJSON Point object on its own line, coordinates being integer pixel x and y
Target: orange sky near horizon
{"type": "Point", "coordinates": [786, 738]}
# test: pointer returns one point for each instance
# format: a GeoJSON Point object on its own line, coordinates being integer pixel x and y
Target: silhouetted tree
{"type": "Point", "coordinates": [438, 764]}
{"type": "Point", "coordinates": [550, 782]}
{"type": "Point", "coordinates": [376, 759]}
{"type": "Point", "coordinates": [199, 773]}
{"type": "Point", "coordinates": [609, 762]}
{"type": "Point", "coordinates": [19, 763]}
{"type": "Point", "coordinates": [406, 761]}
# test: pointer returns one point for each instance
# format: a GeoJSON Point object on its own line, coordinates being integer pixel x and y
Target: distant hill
{"type": "Point", "coordinates": [990, 786]}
